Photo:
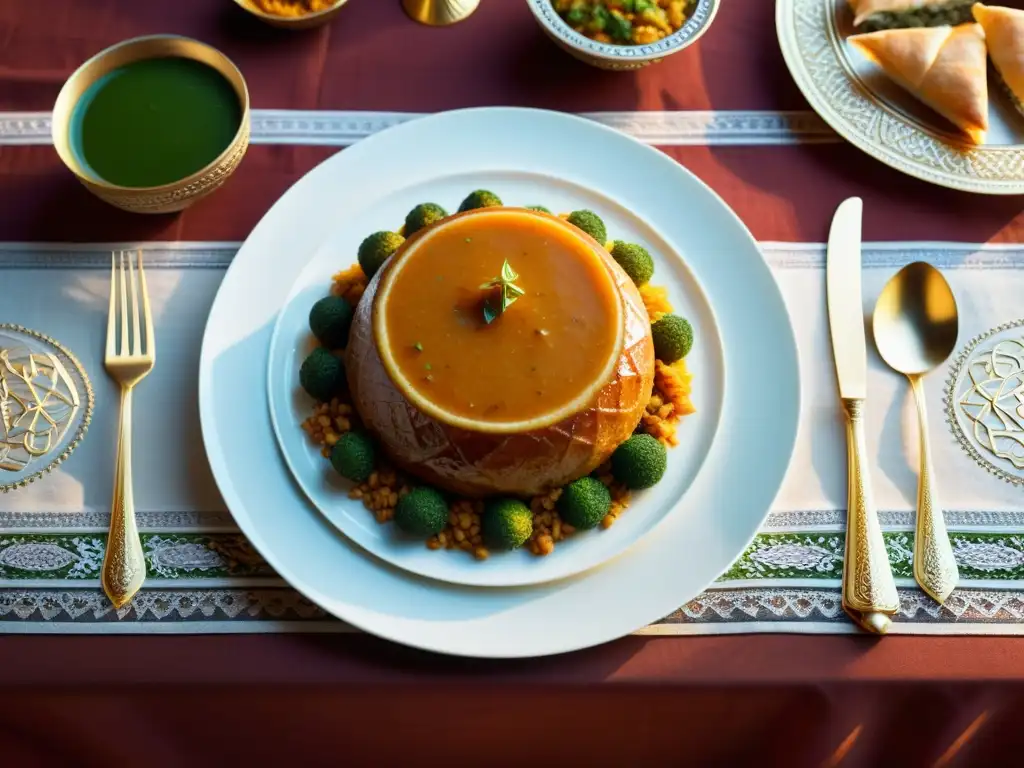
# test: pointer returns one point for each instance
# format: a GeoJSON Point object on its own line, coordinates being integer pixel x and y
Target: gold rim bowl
{"type": "Point", "coordinates": [307, 21]}
{"type": "Point", "coordinates": [166, 198]}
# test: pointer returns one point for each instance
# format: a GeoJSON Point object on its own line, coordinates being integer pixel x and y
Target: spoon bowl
{"type": "Point", "coordinates": [915, 322]}
{"type": "Point", "coordinates": [915, 326]}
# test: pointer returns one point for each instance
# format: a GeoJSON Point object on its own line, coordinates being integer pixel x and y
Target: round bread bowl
{"type": "Point", "coordinates": [483, 459]}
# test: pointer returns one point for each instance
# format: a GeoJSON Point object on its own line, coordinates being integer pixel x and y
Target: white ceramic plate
{"type": "Point", "coordinates": [862, 105]}
{"type": "Point", "coordinates": [727, 499]}
{"type": "Point", "coordinates": [289, 405]}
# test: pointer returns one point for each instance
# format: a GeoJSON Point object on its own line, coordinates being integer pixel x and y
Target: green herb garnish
{"type": "Point", "coordinates": [418, 347]}
{"type": "Point", "coordinates": [599, 19]}
{"type": "Point", "coordinates": [618, 27]}
{"type": "Point", "coordinates": [576, 16]}
{"type": "Point", "coordinates": [510, 292]}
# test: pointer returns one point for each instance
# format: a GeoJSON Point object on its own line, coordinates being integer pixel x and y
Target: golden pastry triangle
{"type": "Point", "coordinates": [944, 67]}
{"type": "Point", "coordinates": [1004, 34]}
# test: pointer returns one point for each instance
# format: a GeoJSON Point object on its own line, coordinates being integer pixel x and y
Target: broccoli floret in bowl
{"type": "Point", "coordinates": [673, 338]}
{"type": "Point", "coordinates": [423, 215]}
{"type": "Point", "coordinates": [376, 249]}
{"type": "Point", "coordinates": [322, 375]}
{"type": "Point", "coordinates": [330, 320]}
{"type": "Point", "coordinates": [640, 462]}
{"type": "Point", "coordinates": [539, 209]}
{"type": "Point", "coordinates": [590, 223]}
{"type": "Point", "coordinates": [480, 198]}
{"type": "Point", "coordinates": [634, 260]}
{"type": "Point", "coordinates": [507, 523]}
{"type": "Point", "coordinates": [354, 457]}
{"type": "Point", "coordinates": [584, 502]}
{"type": "Point", "coordinates": [422, 512]}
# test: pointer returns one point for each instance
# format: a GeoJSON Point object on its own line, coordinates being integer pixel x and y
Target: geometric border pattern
{"type": "Point", "coordinates": [343, 128]}
{"type": "Point", "coordinates": [950, 400]}
{"type": "Point", "coordinates": [89, 405]}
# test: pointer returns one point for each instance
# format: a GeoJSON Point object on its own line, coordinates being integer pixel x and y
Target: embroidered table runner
{"type": "Point", "coordinates": [205, 577]}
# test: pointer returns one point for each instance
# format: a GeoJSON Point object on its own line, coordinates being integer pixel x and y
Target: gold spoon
{"type": "Point", "coordinates": [915, 326]}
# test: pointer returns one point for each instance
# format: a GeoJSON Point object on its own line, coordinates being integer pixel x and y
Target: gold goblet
{"type": "Point", "coordinates": [439, 13]}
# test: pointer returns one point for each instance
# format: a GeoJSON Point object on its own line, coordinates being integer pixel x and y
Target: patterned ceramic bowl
{"type": "Point", "coordinates": [607, 56]}
{"type": "Point", "coordinates": [307, 21]}
{"type": "Point", "coordinates": [166, 198]}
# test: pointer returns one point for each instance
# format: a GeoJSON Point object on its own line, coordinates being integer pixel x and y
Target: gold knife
{"type": "Point", "coordinates": [869, 592]}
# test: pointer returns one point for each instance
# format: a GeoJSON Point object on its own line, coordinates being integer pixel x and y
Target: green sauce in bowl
{"type": "Point", "coordinates": [154, 122]}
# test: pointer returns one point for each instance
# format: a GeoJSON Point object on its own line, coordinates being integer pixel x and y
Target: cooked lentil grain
{"type": "Point", "coordinates": [624, 22]}
{"type": "Point", "coordinates": [292, 8]}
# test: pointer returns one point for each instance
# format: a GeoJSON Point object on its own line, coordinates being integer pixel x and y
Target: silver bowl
{"type": "Point", "coordinates": [622, 57]}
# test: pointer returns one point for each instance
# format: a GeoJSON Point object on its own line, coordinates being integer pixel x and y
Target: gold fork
{"type": "Point", "coordinates": [124, 566]}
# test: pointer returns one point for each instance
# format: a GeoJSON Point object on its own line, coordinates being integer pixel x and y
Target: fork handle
{"type": "Point", "coordinates": [124, 566]}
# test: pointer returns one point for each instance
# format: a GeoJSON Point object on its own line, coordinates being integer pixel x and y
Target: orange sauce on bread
{"type": "Point", "coordinates": [553, 346]}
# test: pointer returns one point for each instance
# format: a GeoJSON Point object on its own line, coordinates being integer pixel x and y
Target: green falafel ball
{"type": "Point", "coordinates": [376, 249]}
{"type": "Point", "coordinates": [590, 223]}
{"type": "Point", "coordinates": [422, 512]}
{"type": "Point", "coordinates": [480, 198]}
{"type": "Point", "coordinates": [673, 338]}
{"type": "Point", "coordinates": [423, 215]}
{"type": "Point", "coordinates": [322, 375]}
{"type": "Point", "coordinates": [353, 456]}
{"type": "Point", "coordinates": [584, 502]}
{"type": "Point", "coordinates": [539, 209]}
{"type": "Point", "coordinates": [634, 260]}
{"type": "Point", "coordinates": [507, 523]}
{"type": "Point", "coordinates": [330, 319]}
{"type": "Point", "coordinates": [639, 462]}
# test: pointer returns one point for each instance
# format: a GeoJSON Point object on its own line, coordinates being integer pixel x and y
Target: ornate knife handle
{"type": "Point", "coordinates": [869, 592]}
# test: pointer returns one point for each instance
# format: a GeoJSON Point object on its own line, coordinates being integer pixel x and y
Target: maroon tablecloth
{"type": "Point", "coordinates": [332, 700]}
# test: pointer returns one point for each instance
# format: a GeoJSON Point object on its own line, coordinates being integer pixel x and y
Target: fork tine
{"type": "Point", "coordinates": [112, 310]}
{"type": "Point", "coordinates": [146, 311]}
{"type": "Point", "coordinates": [137, 336]}
{"type": "Point", "coordinates": [124, 310]}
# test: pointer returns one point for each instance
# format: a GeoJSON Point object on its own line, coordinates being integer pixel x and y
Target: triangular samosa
{"type": "Point", "coordinates": [944, 67]}
{"type": "Point", "coordinates": [1004, 34]}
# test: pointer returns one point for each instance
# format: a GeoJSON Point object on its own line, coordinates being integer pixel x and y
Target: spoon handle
{"type": "Point", "coordinates": [934, 564]}
{"type": "Point", "coordinates": [869, 591]}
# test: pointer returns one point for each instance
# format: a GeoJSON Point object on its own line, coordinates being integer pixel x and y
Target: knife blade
{"type": "Point", "coordinates": [845, 303]}
{"type": "Point", "coordinates": [869, 591]}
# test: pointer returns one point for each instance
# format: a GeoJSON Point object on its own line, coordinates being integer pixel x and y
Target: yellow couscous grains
{"type": "Point", "coordinates": [350, 284]}
{"type": "Point", "coordinates": [292, 8]}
